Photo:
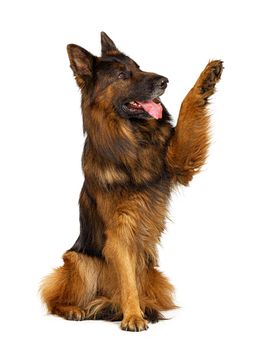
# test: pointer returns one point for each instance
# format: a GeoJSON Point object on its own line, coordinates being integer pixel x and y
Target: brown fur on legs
{"type": "Point", "coordinates": [155, 294]}
{"type": "Point", "coordinates": [72, 292]}
{"type": "Point", "coordinates": [69, 288]}
{"type": "Point", "coordinates": [188, 148]}
{"type": "Point", "coordinates": [132, 159]}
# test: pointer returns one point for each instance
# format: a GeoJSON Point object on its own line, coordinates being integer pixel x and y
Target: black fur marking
{"type": "Point", "coordinates": [153, 316]}
{"type": "Point", "coordinates": [118, 59]}
{"type": "Point", "coordinates": [92, 238]}
{"type": "Point", "coordinates": [108, 314]}
{"type": "Point", "coordinates": [161, 181]}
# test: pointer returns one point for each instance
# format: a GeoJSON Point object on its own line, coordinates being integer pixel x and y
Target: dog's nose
{"type": "Point", "coordinates": [162, 82]}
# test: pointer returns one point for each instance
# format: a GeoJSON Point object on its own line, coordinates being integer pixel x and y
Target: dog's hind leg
{"type": "Point", "coordinates": [156, 294]}
{"type": "Point", "coordinates": [69, 289]}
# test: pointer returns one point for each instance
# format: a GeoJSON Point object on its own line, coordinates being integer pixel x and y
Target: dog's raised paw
{"type": "Point", "coordinates": [210, 76]}
{"type": "Point", "coordinates": [134, 324]}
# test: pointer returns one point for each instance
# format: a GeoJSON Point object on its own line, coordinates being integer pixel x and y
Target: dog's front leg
{"type": "Point", "coordinates": [120, 251]}
{"type": "Point", "coordinates": [188, 147]}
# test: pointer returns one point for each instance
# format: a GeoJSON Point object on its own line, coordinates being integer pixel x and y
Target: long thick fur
{"type": "Point", "coordinates": [130, 168]}
{"type": "Point", "coordinates": [86, 288]}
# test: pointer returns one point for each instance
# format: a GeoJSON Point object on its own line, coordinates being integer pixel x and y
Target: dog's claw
{"type": "Point", "coordinates": [134, 324]}
{"type": "Point", "coordinates": [208, 79]}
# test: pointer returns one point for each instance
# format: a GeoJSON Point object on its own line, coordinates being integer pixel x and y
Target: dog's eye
{"type": "Point", "coordinates": [123, 75]}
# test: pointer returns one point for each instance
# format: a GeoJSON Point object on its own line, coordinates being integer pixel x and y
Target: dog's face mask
{"type": "Point", "coordinates": [118, 80]}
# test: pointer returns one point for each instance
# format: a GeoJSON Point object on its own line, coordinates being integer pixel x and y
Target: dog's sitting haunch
{"type": "Point", "coordinates": [133, 157]}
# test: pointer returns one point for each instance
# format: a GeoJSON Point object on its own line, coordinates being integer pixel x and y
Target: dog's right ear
{"type": "Point", "coordinates": [81, 61]}
{"type": "Point", "coordinates": [107, 45]}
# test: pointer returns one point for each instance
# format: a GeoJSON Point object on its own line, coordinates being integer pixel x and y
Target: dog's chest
{"type": "Point", "coordinates": [143, 210]}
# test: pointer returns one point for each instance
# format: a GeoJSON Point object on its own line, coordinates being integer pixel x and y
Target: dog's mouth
{"type": "Point", "coordinates": [152, 108]}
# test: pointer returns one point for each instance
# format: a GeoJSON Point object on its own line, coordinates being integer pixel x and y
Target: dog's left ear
{"type": "Point", "coordinates": [108, 47]}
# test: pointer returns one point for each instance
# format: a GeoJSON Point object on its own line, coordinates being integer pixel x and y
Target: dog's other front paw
{"type": "Point", "coordinates": [134, 324]}
{"type": "Point", "coordinates": [209, 77]}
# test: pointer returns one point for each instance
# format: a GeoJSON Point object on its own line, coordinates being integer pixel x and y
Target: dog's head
{"type": "Point", "coordinates": [117, 81]}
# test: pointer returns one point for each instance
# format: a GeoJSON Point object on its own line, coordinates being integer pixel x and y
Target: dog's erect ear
{"type": "Point", "coordinates": [108, 47]}
{"type": "Point", "coordinates": [81, 61]}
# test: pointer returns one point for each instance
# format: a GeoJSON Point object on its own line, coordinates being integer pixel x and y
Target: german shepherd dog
{"type": "Point", "coordinates": [133, 157]}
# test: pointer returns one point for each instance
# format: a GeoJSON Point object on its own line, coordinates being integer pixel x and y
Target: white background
{"type": "Point", "coordinates": [211, 250]}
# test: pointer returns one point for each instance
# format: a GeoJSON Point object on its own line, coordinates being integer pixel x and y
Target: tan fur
{"type": "Point", "coordinates": [72, 290]}
{"type": "Point", "coordinates": [129, 170]}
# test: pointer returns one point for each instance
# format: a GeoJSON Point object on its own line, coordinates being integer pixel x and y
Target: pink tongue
{"type": "Point", "coordinates": [152, 108]}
